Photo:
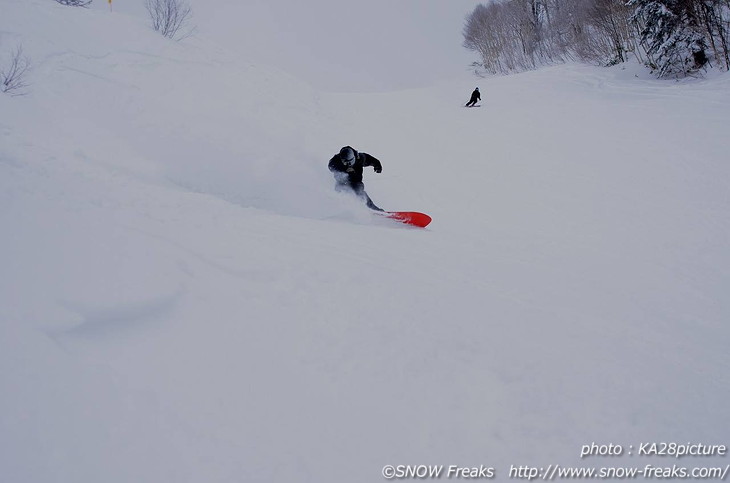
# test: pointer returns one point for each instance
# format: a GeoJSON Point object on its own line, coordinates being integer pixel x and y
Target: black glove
{"type": "Point", "coordinates": [378, 169]}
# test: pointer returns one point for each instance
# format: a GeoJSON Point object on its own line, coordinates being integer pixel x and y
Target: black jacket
{"type": "Point", "coordinates": [352, 175]}
{"type": "Point", "coordinates": [475, 96]}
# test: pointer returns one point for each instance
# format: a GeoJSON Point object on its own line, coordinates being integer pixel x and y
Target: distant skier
{"type": "Point", "coordinates": [347, 165]}
{"type": "Point", "coordinates": [475, 96]}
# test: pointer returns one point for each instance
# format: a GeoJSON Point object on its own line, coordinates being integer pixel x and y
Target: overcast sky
{"type": "Point", "coordinates": [340, 45]}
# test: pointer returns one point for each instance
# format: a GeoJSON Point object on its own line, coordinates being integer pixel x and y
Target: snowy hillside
{"type": "Point", "coordinates": [184, 297]}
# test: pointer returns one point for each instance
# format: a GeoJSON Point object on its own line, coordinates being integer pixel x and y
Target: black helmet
{"type": "Point", "coordinates": [347, 154]}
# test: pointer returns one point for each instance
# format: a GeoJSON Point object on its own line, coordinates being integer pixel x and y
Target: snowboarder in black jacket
{"type": "Point", "coordinates": [475, 96]}
{"type": "Point", "coordinates": [347, 165]}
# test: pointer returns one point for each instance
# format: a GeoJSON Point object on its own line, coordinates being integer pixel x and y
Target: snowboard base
{"type": "Point", "coordinates": [413, 218]}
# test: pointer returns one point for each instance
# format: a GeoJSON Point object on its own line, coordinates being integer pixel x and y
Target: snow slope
{"type": "Point", "coordinates": [183, 297]}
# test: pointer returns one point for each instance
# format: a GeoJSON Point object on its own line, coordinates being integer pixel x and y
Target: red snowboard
{"type": "Point", "coordinates": [409, 217]}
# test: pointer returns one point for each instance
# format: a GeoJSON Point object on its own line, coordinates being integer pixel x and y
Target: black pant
{"type": "Point", "coordinates": [471, 102]}
{"type": "Point", "coordinates": [359, 190]}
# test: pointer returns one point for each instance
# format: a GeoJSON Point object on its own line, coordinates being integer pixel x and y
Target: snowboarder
{"type": "Point", "coordinates": [475, 96]}
{"type": "Point", "coordinates": [347, 165]}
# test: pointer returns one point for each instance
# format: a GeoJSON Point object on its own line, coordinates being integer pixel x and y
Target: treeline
{"type": "Point", "coordinates": [672, 37]}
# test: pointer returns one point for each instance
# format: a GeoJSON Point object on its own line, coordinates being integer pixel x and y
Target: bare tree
{"type": "Point", "coordinates": [608, 33]}
{"type": "Point", "coordinates": [482, 36]}
{"type": "Point", "coordinates": [715, 20]}
{"type": "Point", "coordinates": [75, 3]}
{"type": "Point", "coordinates": [170, 17]}
{"type": "Point", "coordinates": [673, 37]}
{"type": "Point", "coordinates": [13, 78]}
{"type": "Point", "coordinates": [515, 35]}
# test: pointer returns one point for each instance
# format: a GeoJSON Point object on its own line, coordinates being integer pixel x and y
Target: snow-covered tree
{"type": "Point", "coordinates": [671, 34]}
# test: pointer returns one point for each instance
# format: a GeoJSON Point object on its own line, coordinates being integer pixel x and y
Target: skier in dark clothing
{"type": "Point", "coordinates": [475, 96]}
{"type": "Point", "coordinates": [347, 165]}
